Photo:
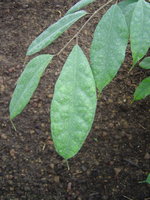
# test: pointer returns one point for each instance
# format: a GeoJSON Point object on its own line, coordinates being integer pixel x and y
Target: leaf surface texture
{"type": "Point", "coordinates": [145, 63]}
{"type": "Point", "coordinates": [27, 83]}
{"type": "Point", "coordinates": [140, 30]}
{"type": "Point", "coordinates": [54, 31]}
{"type": "Point", "coordinates": [108, 46]}
{"type": "Point", "coordinates": [73, 105]}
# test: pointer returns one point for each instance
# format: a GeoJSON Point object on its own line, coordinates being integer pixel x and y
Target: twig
{"type": "Point", "coordinates": [127, 197]}
{"type": "Point", "coordinates": [84, 26]}
{"type": "Point", "coordinates": [13, 125]}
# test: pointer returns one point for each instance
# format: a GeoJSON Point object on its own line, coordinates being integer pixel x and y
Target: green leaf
{"type": "Point", "coordinates": [140, 30]}
{"type": "Point", "coordinates": [128, 12]}
{"type": "Point", "coordinates": [79, 5]}
{"type": "Point", "coordinates": [142, 90]}
{"type": "Point", "coordinates": [145, 63]}
{"type": "Point", "coordinates": [73, 105]}
{"type": "Point", "coordinates": [125, 3]}
{"type": "Point", "coordinates": [27, 83]}
{"type": "Point", "coordinates": [54, 31]}
{"type": "Point", "coordinates": [147, 180]}
{"type": "Point", "coordinates": [108, 46]}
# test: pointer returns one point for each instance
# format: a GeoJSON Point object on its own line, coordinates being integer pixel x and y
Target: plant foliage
{"type": "Point", "coordinates": [74, 102]}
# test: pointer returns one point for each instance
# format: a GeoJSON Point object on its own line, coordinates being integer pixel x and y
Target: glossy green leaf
{"type": "Point", "coordinates": [73, 105]}
{"type": "Point", "coordinates": [125, 3]}
{"type": "Point", "coordinates": [145, 63]}
{"type": "Point", "coordinates": [140, 30]}
{"type": "Point", "coordinates": [128, 12]}
{"type": "Point", "coordinates": [108, 46]}
{"type": "Point", "coordinates": [79, 5]}
{"type": "Point", "coordinates": [27, 83]}
{"type": "Point", "coordinates": [54, 31]}
{"type": "Point", "coordinates": [142, 90]}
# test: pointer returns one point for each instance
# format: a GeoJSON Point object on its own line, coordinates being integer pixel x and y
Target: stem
{"type": "Point", "coordinates": [84, 26]}
{"type": "Point", "coordinates": [25, 60]}
{"type": "Point", "coordinates": [67, 165]}
{"type": "Point", "coordinates": [13, 125]}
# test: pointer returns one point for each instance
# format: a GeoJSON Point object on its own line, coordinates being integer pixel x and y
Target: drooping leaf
{"type": "Point", "coordinates": [73, 105]}
{"type": "Point", "coordinates": [125, 3]}
{"type": "Point", "coordinates": [142, 90]}
{"type": "Point", "coordinates": [54, 31]}
{"type": "Point", "coordinates": [27, 83]}
{"type": "Point", "coordinates": [140, 30]}
{"type": "Point", "coordinates": [145, 63]}
{"type": "Point", "coordinates": [128, 12]}
{"type": "Point", "coordinates": [79, 5]}
{"type": "Point", "coordinates": [108, 46]}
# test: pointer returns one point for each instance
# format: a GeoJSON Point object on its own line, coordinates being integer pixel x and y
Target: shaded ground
{"type": "Point", "coordinates": [115, 156]}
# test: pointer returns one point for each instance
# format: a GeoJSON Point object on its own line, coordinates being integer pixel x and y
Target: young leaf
{"type": "Point", "coordinates": [125, 3]}
{"type": "Point", "coordinates": [27, 83]}
{"type": "Point", "coordinates": [142, 90]}
{"type": "Point", "coordinates": [79, 5]}
{"type": "Point", "coordinates": [108, 46]}
{"type": "Point", "coordinates": [140, 30]}
{"type": "Point", "coordinates": [145, 63]}
{"type": "Point", "coordinates": [73, 105]}
{"type": "Point", "coordinates": [54, 31]}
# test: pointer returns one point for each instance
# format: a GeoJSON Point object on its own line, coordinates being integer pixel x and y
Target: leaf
{"type": "Point", "coordinates": [128, 12]}
{"type": "Point", "coordinates": [108, 46]}
{"type": "Point", "coordinates": [145, 63]}
{"type": "Point", "coordinates": [27, 83]}
{"type": "Point", "coordinates": [73, 105]}
{"type": "Point", "coordinates": [79, 5]}
{"type": "Point", "coordinates": [147, 179]}
{"type": "Point", "coordinates": [140, 30]}
{"type": "Point", "coordinates": [125, 3]}
{"type": "Point", "coordinates": [142, 90]}
{"type": "Point", "coordinates": [54, 31]}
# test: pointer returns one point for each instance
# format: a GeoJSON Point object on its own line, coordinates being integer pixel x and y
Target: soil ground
{"type": "Point", "coordinates": [116, 154]}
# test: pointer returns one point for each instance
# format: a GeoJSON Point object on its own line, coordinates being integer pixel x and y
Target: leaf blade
{"type": "Point", "coordinates": [125, 3]}
{"type": "Point", "coordinates": [142, 90]}
{"type": "Point", "coordinates": [108, 46]}
{"type": "Point", "coordinates": [140, 30]}
{"type": "Point", "coordinates": [27, 83]}
{"type": "Point", "coordinates": [79, 5]}
{"type": "Point", "coordinates": [73, 105]}
{"type": "Point", "coordinates": [145, 63]}
{"type": "Point", "coordinates": [128, 12]}
{"type": "Point", "coordinates": [53, 32]}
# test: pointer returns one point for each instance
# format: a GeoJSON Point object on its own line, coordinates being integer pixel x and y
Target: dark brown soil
{"type": "Point", "coordinates": [116, 154]}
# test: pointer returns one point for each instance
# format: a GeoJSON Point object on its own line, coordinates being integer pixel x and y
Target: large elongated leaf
{"type": "Point", "coordinates": [142, 90]}
{"type": "Point", "coordinates": [145, 63]}
{"type": "Point", "coordinates": [73, 105]}
{"type": "Point", "coordinates": [108, 46]}
{"type": "Point", "coordinates": [54, 31]}
{"type": "Point", "coordinates": [79, 5]}
{"type": "Point", "coordinates": [140, 30]}
{"type": "Point", "coordinates": [27, 83]}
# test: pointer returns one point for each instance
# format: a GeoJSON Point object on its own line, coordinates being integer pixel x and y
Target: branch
{"type": "Point", "coordinates": [76, 35]}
